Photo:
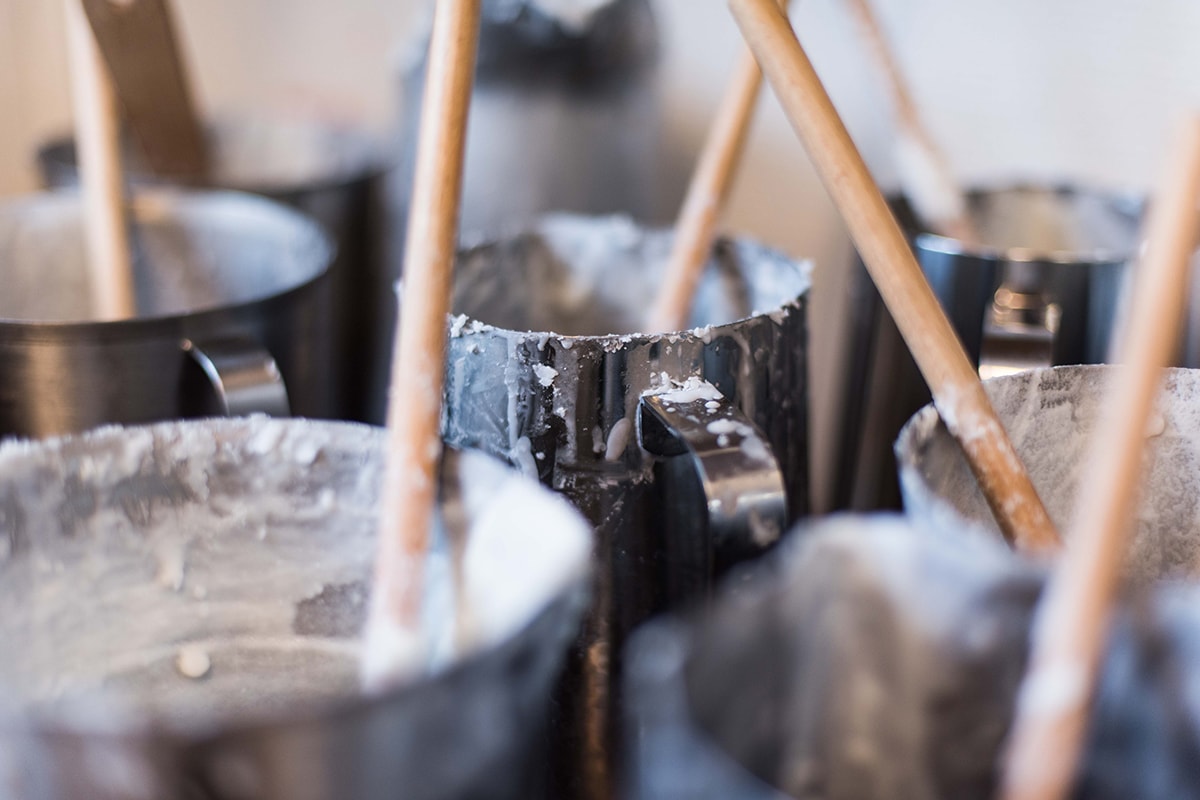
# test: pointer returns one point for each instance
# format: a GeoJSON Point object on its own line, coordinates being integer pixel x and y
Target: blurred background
{"type": "Point", "coordinates": [1048, 89]}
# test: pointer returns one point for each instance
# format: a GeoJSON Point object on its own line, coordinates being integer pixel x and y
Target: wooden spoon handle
{"type": "Point", "coordinates": [137, 40]}
{"type": "Point", "coordinates": [418, 362]}
{"type": "Point", "coordinates": [696, 226]}
{"type": "Point", "coordinates": [97, 134]}
{"type": "Point", "coordinates": [1073, 616]}
{"type": "Point", "coordinates": [955, 385]}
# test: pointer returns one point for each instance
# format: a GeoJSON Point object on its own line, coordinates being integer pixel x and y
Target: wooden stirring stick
{"type": "Point", "coordinates": [957, 392]}
{"type": "Point", "coordinates": [97, 134]}
{"type": "Point", "coordinates": [409, 493]}
{"type": "Point", "coordinates": [925, 174]}
{"type": "Point", "coordinates": [137, 41]}
{"type": "Point", "coordinates": [1071, 625]}
{"type": "Point", "coordinates": [696, 226]}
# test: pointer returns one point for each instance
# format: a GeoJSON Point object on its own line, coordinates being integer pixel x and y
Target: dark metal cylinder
{"type": "Point", "coordinates": [221, 271]}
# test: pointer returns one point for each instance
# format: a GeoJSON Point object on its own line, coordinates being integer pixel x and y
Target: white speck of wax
{"type": "Point", "coordinates": [618, 439]}
{"type": "Point", "coordinates": [545, 374]}
{"type": "Point", "coordinates": [193, 662]}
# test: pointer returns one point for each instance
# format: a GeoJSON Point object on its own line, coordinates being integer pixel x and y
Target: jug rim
{"type": "Point", "coordinates": [1124, 202]}
{"type": "Point", "coordinates": [165, 202]}
{"type": "Point", "coordinates": [567, 595]}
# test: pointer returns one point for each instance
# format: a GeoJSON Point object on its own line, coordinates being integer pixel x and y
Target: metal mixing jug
{"type": "Point", "coordinates": [333, 174]}
{"type": "Point", "coordinates": [681, 479]}
{"type": "Point", "coordinates": [872, 659]}
{"type": "Point", "coordinates": [566, 115]}
{"type": "Point", "coordinates": [1050, 414]}
{"type": "Point", "coordinates": [231, 296]}
{"type": "Point", "coordinates": [1054, 299]}
{"type": "Point", "coordinates": [180, 607]}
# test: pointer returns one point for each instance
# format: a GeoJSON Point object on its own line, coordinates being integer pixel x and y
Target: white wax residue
{"type": "Point", "coordinates": [693, 389]}
{"type": "Point", "coordinates": [172, 564]}
{"type": "Point", "coordinates": [193, 662]}
{"type": "Point", "coordinates": [545, 374]}
{"type": "Point", "coordinates": [515, 560]}
{"type": "Point", "coordinates": [391, 654]}
{"type": "Point", "coordinates": [728, 426]}
{"type": "Point", "coordinates": [522, 456]}
{"type": "Point", "coordinates": [574, 15]}
{"type": "Point", "coordinates": [598, 443]}
{"type": "Point", "coordinates": [755, 449]}
{"type": "Point", "coordinates": [618, 439]}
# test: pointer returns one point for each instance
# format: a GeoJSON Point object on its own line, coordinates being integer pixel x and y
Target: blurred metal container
{"type": "Point", "coordinates": [180, 607]}
{"type": "Point", "coordinates": [566, 115]}
{"type": "Point", "coordinates": [1054, 299]}
{"type": "Point", "coordinates": [873, 658]}
{"type": "Point", "coordinates": [1050, 415]}
{"type": "Point", "coordinates": [333, 174]}
{"type": "Point", "coordinates": [546, 369]}
{"type": "Point", "coordinates": [232, 316]}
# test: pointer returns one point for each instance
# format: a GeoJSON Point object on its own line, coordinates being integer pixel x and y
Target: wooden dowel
{"type": "Point", "coordinates": [97, 135]}
{"type": "Point", "coordinates": [137, 41]}
{"type": "Point", "coordinates": [696, 227]}
{"type": "Point", "coordinates": [409, 494]}
{"type": "Point", "coordinates": [1072, 621]}
{"type": "Point", "coordinates": [957, 392]}
{"type": "Point", "coordinates": [925, 173]}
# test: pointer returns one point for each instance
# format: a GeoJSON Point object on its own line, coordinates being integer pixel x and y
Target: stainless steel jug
{"type": "Point", "coordinates": [1044, 287]}
{"type": "Point", "coordinates": [872, 658]}
{"type": "Point", "coordinates": [1049, 414]}
{"type": "Point", "coordinates": [180, 607]}
{"type": "Point", "coordinates": [333, 174]}
{"type": "Point", "coordinates": [231, 296]}
{"type": "Point", "coordinates": [687, 450]}
{"type": "Point", "coordinates": [566, 115]}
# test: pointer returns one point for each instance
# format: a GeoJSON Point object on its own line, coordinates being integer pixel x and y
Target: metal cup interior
{"type": "Point", "coordinates": [555, 313]}
{"type": "Point", "coordinates": [594, 278]}
{"type": "Point", "coordinates": [1044, 286]}
{"type": "Point", "coordinates": [1050, 415]}
{"type": "Point", "coordinates": [866, 660]}
{"type": "Point", "coordinates": [193, 252]}
{"type": "Point", "coordinates": [187, 598]}
{"type": "Point", "coordinates": [334, 175]}
{"type": "Point", "coordinates": [875, 659]}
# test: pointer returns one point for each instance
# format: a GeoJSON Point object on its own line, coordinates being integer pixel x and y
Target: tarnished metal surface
{"type": "Point", "coordinates": [1050, 415]}
{"type": "Point", "coordinates": [334, 175]}
{"type": "Point", "coordinates": [547, 370]}
{"type": "Point", "coordinates": [209, 267]}
{"type": "Point", "coordinates": [180, 608]}
{"type": "Point", "coordinates": [872, 658]}
{"type": "Point", "coordinates": [1044, 287]}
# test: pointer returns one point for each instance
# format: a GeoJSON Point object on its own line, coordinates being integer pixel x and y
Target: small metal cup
{"type": "Point", "coordinates": [564, 117]}
{"type": "Point", "coordinates": [333, 175]}
{"type": "Point", "coordinates": [180, 608]}
{"type": "Point", "coordinates": [546, 369]}
{"type": "Point", "coordinates": [1054, 299]}
{"type": "Point", "coordinates": [231, 318]}
{"type": "Point", "coordinates": [1050, 415]}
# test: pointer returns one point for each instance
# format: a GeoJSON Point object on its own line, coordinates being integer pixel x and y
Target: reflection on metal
{"type": "Point", "coordinates": [737, 480]}
{"type": "Point", "coordinates": [209, 266]}
{"type": "Point", "coordinates": [566, 405]}
{"type": "Point", "coordinates": [244, 377]}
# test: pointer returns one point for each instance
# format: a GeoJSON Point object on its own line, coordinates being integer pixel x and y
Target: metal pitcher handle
{"type": "Point", "coordinates": [242, 378]}
{"type": "Point", "coordinates": [724, 493]}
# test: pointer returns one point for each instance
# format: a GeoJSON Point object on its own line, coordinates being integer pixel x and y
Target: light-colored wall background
{"type": "Point", "coordinates": [1023, 88]}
